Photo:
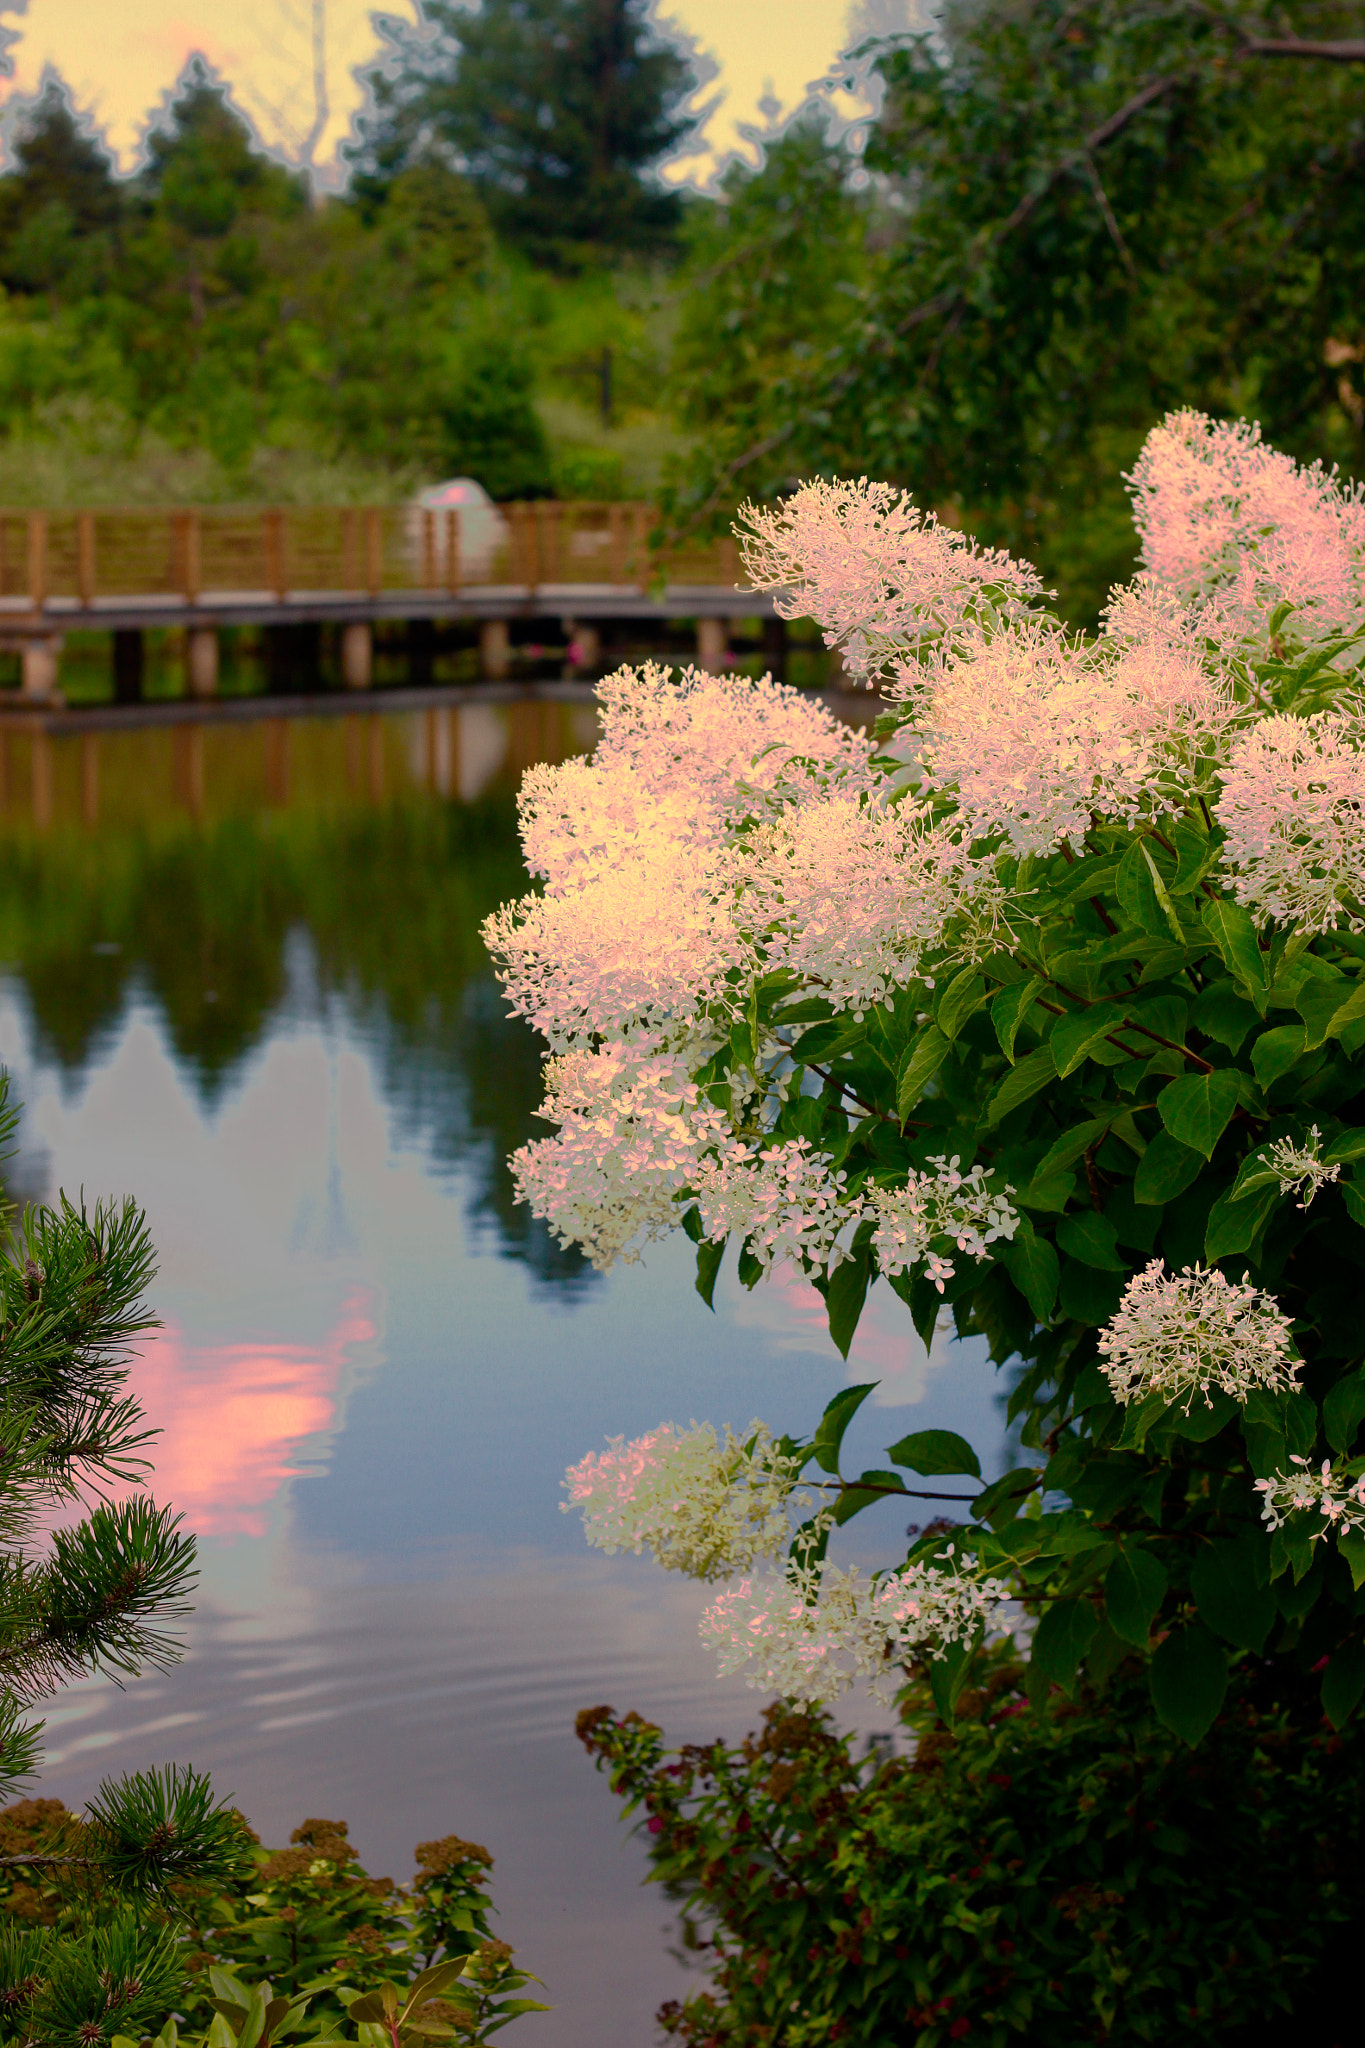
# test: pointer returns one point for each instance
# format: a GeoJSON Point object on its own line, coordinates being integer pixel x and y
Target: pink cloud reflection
{"type": "Point", "coordinates": [885, 1346]}
{"type": "Point", "coordinates": [233, 1416]}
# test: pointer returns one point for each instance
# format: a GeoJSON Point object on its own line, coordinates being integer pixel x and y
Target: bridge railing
{"type": "Point", "coordinates": [190, 553]}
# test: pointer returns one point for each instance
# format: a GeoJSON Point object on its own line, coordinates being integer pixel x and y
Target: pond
{"type": "Point", "coordinates": [243, 981]}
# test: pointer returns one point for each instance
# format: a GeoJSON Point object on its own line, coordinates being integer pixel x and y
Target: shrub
{"type": "Point", "coordinates": [306, 1920]}
{"type": "Point", "coordinates": [1070, 1872]}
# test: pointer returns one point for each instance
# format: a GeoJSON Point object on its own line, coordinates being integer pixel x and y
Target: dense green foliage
{"type": "Point", "coordinates": [306, 1921]}
{"type": "Point", "coordinates": [1067, 1872]}
{"type": "Point", "coordinates": [202, 330]}
{"type": "Point", "coordinates": [1081, 216]}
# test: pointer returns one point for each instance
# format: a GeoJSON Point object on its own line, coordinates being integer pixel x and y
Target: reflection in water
{"type": "Point", "coordinates": [273, 1022]}
{"type": "Point", "coordinates": [391, 895]}
{"type": "Point", "coordinates": [234, 1417]}
{"type": "Point", "coordinates": [209, 768]}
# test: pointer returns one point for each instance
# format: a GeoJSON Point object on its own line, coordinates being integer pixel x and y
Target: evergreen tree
{"type": "Point", "coordinates": [59, 205]}
{"type": "Point", "coordinates": [556, 109]}
{"type": "Point", "coordinates": [202, 172]}
{"type": "Point", "coordinates": [92, 1597]}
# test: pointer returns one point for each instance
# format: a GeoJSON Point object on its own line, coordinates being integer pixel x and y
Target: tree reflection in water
{"type": "Point", "coordinates": [203, 919]}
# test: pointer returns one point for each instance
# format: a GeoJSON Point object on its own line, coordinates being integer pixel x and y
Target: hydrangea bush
{"type": "Point", "coordinates": [1044, 1004]}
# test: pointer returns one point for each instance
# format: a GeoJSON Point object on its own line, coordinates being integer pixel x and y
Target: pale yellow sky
{"type": "Point", "coordinates": [120, 56]}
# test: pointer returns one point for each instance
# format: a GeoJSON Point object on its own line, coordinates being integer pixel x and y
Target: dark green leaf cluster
{"type": "Point", "coordinates": [1064, 1871]}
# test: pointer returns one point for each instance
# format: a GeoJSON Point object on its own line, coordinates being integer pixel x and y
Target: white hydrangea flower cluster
{"type": "Point", "coordinates": [1032, 731]}
{"type": "Point", "coordinates": [634, 932]}
{"type": "Point", "coordinates": [700, 1506]}
{"type": "Point", "coordinates": [849, 893]}
{"type": "Point", "coordinates": [633, 1127]}
{"type": "Point", "coordinates": [1220, 513]}
{"type": "Point", "coordinates": [631, 947]}
{"type": "Point", "coordinates": [785, 1201]}
{"type": "Point", "coordinates": [723, 743]}
{"type": "Point", "coordinates": [1300, 1167]}
{"type": "Point", "coordinates": [1339, 1500]}
{"type": "Point", "coordinates": [812, 1632]}
{"type": "Point", "coordinates": [1293, 808]}
{"type": "Point", "coordinates": [945, 1203]}
{"type": "Point", "coordinates": [1178, 1336]}
{"type": "Point", "coordinates": [877, 572]}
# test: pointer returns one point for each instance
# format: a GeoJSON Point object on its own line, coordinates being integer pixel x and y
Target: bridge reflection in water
{"type": "Point", "coordinates": [88, 769]}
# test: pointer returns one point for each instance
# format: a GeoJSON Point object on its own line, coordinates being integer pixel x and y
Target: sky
{"type": "Point", "coordinates": [121, 56]}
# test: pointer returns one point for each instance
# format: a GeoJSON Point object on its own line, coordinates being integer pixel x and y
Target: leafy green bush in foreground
{"type": "Point", "coordinates": [306, 1926]}
{"type": "Point", "coordinates": [1069, 1872]}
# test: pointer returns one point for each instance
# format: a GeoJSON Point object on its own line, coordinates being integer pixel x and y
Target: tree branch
{"type": "Point", "coordinates": [950, 299]}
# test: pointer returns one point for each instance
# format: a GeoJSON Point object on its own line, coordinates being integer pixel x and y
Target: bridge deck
{"type": "Point", "coordinates": [149, 611]}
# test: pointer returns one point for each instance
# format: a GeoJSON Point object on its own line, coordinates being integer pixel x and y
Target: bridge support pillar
{"type": "Point", "coordinates": [128, 662]}
{"type": "Point", "coordinates": [585, 644]}
{"type": "Point", "coordinates": [357, 655]}
{"type": "Point", "coordinates": [41, 660]}
{"type": "Point", "coordinates": [711, 643]}
{"type": "Point", "coordinates": [495, 649]}
{"type": "Point", "coordinates": [201, 661]}
{"type": "Point", "coordinates": [775, 645]}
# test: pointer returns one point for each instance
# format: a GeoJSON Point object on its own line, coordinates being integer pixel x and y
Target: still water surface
{"type": "Point", "coordinates": [244, 983]}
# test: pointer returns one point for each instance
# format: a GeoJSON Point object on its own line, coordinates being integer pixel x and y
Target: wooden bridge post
{"type": "Point", "coordinates": [273, 537]}
{"type": "Point", "coordinates": [430, 580]}
{"type": "Point", "coordinates": [640, 536]}
{"type": "Point", "coordinates": [357, 654]}
{"type": "Point", "coordinates": [616, 522]}
{"type": "Point", "coordinates": [374, 552]}
{"type": "Point", "coordinates": [495, 649]}
{"type": "Point", "coordinates": [711, 644]}
{"type": "Point", "coordinates": [201, 661]}
{"type": "Point", "coordinates": [585, 645]}
{"type": "Point", "coordinates": [85, 557]}
{"type": "Point", "coordinates": [37, 560]}
{"type": "Point", "coordinates": [40, 663]}
{"type": "Point", "coordinates": [452, 551]}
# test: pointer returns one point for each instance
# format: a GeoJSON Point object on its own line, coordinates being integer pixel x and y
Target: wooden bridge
{"type": "Point", "coordinates": [132, 570]}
